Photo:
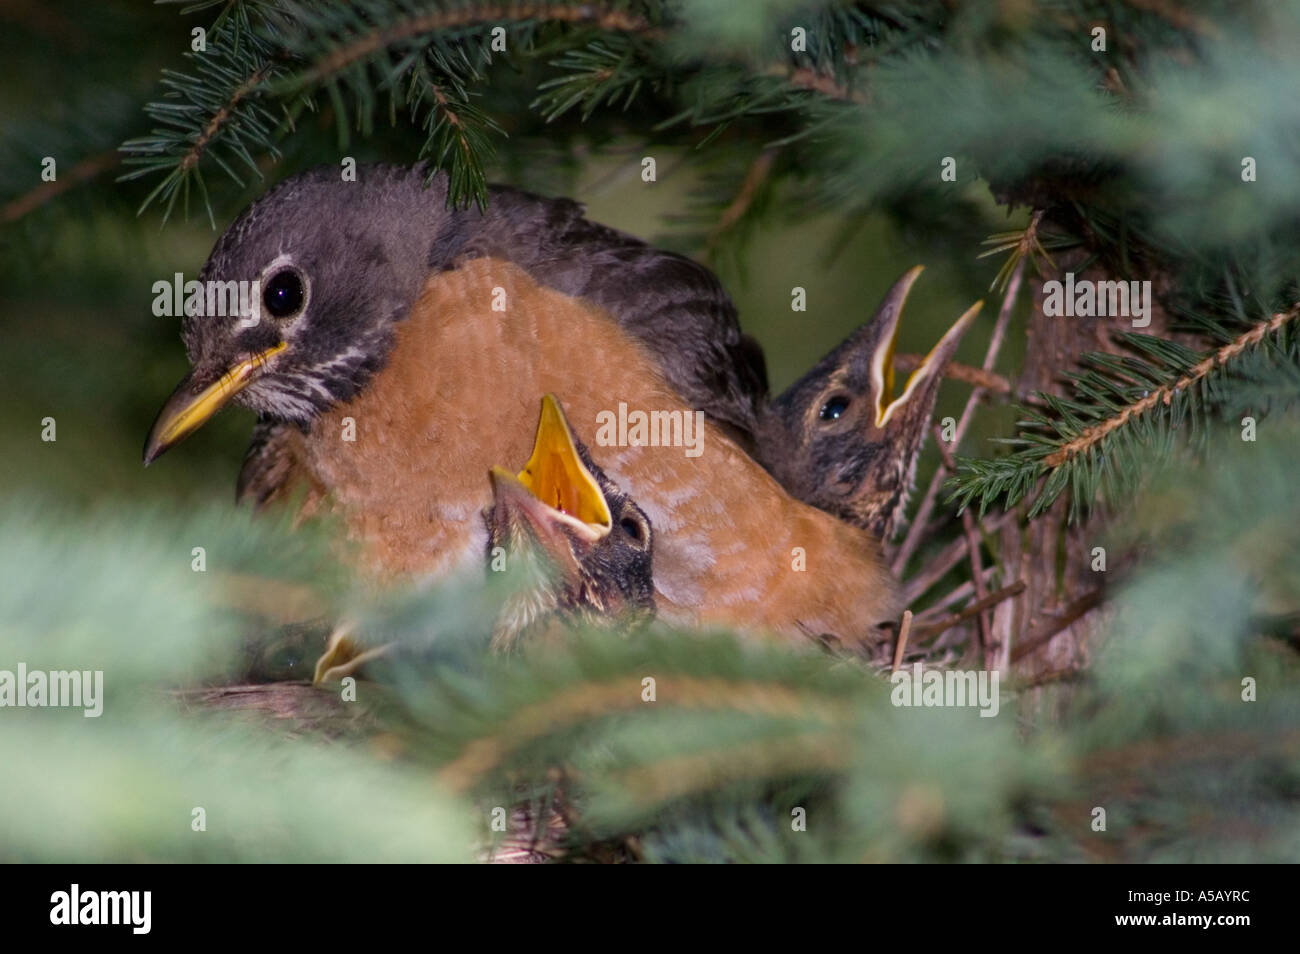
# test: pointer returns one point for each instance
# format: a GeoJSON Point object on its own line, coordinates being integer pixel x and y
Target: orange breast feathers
{"type": "Point", "coordinates": [460, 394]}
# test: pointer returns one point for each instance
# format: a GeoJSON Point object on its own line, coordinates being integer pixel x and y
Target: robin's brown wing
{"type": "Point", "coordinates": [673, 306]}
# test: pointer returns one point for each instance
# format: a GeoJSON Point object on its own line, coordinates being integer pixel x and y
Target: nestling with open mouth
{"type": "Point", "coordinates": [585, 547]}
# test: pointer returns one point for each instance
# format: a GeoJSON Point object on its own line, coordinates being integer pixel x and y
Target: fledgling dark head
{"type": "Point", "coordinates": [337, 263]}
{"type": "Point", "coordinates": [587, 546]}
{"type": "Point", "coordinates": [839, 439]}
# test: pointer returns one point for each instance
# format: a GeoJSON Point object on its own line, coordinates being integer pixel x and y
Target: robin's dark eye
{"type": "Point", "coordinates": [834, 408]}
{"type": "Point", "coordinates": [632, 527]}
{"type": "Point", "coordinates": [282, 294]}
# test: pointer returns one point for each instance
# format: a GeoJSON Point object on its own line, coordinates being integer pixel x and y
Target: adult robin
{"type": "Point", "coordinates": [585, 548]}
{"type": "Point", "coordinates": [400, 349]}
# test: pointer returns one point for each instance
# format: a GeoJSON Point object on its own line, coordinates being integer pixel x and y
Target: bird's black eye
{"type": "Point", "coordinates": [632, 528]}
{"type": "Point", "coordinates": [282, 294]}
{"type": "Point", "coordinates": [834, 408]}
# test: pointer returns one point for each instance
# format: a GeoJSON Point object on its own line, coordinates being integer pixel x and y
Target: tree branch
{"type": "Point", "coordinates": [906, 363]}
{"type": "Point", "coordinates": [83, 171]}
{"type": "Point", "coordinates": [1095, 433]}
{"type": "Point", "coordinates": [435, 20]}
{"type": "Point", "coordinates": [975, 609]}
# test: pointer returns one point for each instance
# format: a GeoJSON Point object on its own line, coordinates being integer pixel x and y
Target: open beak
{"type": "Point", "coordinates": [884, 326]}
{"type": "Point", "coordinates": [859, 463]}
{"type": "Point", "coordinates": [192, 403]}
{"type": "Point", "coordinates": [555, 489]}
{"type": "Point", "coordinates": [930, 368]}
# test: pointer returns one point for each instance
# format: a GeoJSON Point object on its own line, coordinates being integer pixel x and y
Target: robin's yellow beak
{"type": "Point", "coordinates": [882, 358]}
{"type": "Point", "coordinates": [190, 405]}
{"type": "Point", "coordinates": [556, 477]}
{"type": "Point", "coordinates": [888, 406]}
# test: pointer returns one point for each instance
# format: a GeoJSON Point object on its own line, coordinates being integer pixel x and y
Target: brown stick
{"type": "Point", "coordinates": [976, 608]}
{"type": "Point", "coordinates": [33, 199]}
{"type": "Point", "coordinates": [903, 630]}
{"type": "Point", "coordinates": [1015, 561]}
{"type": "Point", "coordinates": [435, 20]}
{"type": "Point", "coordinates": [973, 551]}
{"type": "Point", "coordinates": [958, 594]}
{"type": "Point", "coordinates": [948, 558]}
{"type": "Point", "coordinates": [988, 380]}
{"type": "Point", "coordinates": [922, 518]}
{"type": "Point", "coordinates": [1044, 631]}
{"type": "Point", "coordinates": [755, 176]}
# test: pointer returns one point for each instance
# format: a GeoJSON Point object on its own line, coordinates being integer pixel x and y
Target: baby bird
{"type": "Point", "coordinates": [584, 547]}
{"type": "Point", "coordinates": [839, 439]}
{"type": "Point", "coordinates": [581, 547]}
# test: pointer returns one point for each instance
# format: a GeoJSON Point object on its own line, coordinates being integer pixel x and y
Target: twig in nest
{"type": "Point", "coordinates": [901, 646]}
{"type": "Point", "coordinates": [922, 518]}
{"type": "Point", "coordinates": [973, 551]}
{"type": "Point", "coordinates": [1044, 631]}
{"type": "Point", "coordinates": [958, 594]}
{"type": "Point", "coordinates": [979, 606]}
{"type": "Point", "coordinates": [948, 558]}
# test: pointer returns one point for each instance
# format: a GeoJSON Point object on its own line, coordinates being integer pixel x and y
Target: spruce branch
{"type": "Point", "coordinates": [221, 117]}
{"type": "Point", "coordinates": [610, 71]}
{"type": "Point", "coordinates": [815, 752]}
{"type": "Point", "coordinates": [1023, 244]}
{"type": "Point", "coordinates": [214, 112]}
{"type": "Point", "coordinates": [732, 195]}
{"type": "Point", "coordinates": [459, 137]}
{"type": "Point", "coordinates": [581, 702]}
{"type": "Point", "coordinates": [824, 85]}
{"type": "Point", "coordinates": [1096, 433]}
{"type": "Point", "coordinates": [1122, 405]}
{"type": "Point", "coordinates": [408, 28]}
{"type": "Point", "coordinates": [266, 62]}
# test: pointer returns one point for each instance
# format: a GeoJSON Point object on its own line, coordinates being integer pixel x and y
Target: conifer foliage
{"type": "Point", "coordinates": [1121, 548]}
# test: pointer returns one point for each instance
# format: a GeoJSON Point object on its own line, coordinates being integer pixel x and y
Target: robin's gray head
{"type": "Point", "coordinates": [300, 296]}
{"type": "Point", "coordinates": [584, 547]}
{"type": "Point", "coordinates": [845, 443]}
